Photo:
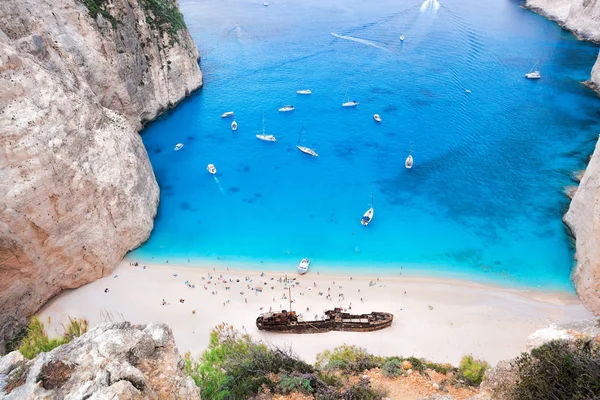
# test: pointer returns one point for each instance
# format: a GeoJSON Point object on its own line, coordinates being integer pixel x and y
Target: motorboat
{"type": "Point", "coordinates": [409, 162]}
{"type": "Point", "coordinates": [367, 217]}
{"type": "Point", "coordinates": [265, 4]}
{"type": "Point", "coordinates": [286, 108]}
{"type": "Point", "coordinates": [307, 150]}
{"type": "Point", "coordinates": [467, 90]}
{"type": "Point", "coordinates": [264, 136]}
{"type": "Point", "coordinates": [533, 73]}
{"type": "Point", "coordinates": [234, 126]}
{"type": "Point", "coordinates": [402, 38]}
{"type": "Point", "coordinates": [211, 169]}
{"type": "Point", "coordinates": [304, 91]}
{"type": "Point", "coordinates": [377, 118]}
{"type": "Point", "coordinates": [227, 114]}
{"type": "Point", "coordinates": [303, 266]}
{"type": "Point", "coordinates": [304, 149]}
{"type": "Point", "coordinates": [178, 146]}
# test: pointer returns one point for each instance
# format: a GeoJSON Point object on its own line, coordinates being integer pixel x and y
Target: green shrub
{"type": "Point", "coordinates": [289, 384]}
{"type": "Point", "coordinates": [356, 392]}
{"type": "Point", "coordinates": [417, 364]}
{"type": "Point", "coordinates": [392, 367]}
{"type": "Point", "coordinates": [441, 368]}
{"type": "Point", "coordinates": [37, 341]}
{"type": "Point", "coordinates": [348, 359]}
{"type": "Point", "coordinates": [472, 370]}
{"type": "Point", "coordinates": [330, 379]}
{"type": "Point", "coordinates": [557, 370]}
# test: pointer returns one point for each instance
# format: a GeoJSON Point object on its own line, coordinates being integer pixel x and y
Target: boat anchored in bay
{"type": "Point", "coordinates": [303, 266]}
{"type": "Point", "coordinates": [368, 215]}
{"type": "Point", "coordinates": [227, 114]}
{"type": "Point", "coordinates": [263, 135]}
{"type": "Point", "coordinates": [533, 74]}
{"type": "Point", "coordinates": [286, 108]}
{"type": "Point", "coordinates": [305, 150]}
{"type": "Point", "coordinates": [234, 126]}
{"type": "Point", "coordinates": [347, 102]}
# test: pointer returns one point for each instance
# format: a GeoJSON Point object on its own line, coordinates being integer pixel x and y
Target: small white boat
{"type": "Point", "coordinates": [303, 266]}
{"type": "Point", "coordinates": [533, 74]}
{"type": "Point", "coordinates": [304, 149]}
{"type": "Point", "coordinates": [227, 114]}
{"type": "Point", "coordinates": [368, 215]}
{"type": "Point", "coordinates": [467, 90]}
{"type": "Point", "coordinates": [402, 38]}
{"type": "Point", "coordinates": [211, 169]}
{"type": "Point", "coordinates": [286, 108]}
{"type": "Point", "coordinates": [234, 126]}
{"type": "Point", "coordinates": [263, 135]}
{"type": "Point", "coordinates": [304, 91]}
{"type": "Point", "coordinates": [377, 118]}
{"type": "Point", "coordinates": [347, 102]}
{"type": "Point", "coordinates": [409, 162]}
{"type": "Point", "coordinates": [265, 4]}
{"type": "Point", "coordinates": [178, 146]}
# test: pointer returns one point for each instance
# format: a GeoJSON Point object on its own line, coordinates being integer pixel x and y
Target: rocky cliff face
{"type": "Point", "coordinates": [112, 361]}
{"type": "Point", "coordinates": [78, 81]}
{"type": "Point", "coordinates": [583, 18]}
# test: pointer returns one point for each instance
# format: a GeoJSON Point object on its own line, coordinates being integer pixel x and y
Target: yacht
{"type": "Point", "coordinates": [286, 108]}
{"type": "Point", "coordinates": [409, 162]}
{"type": "Point", "coordinates": [305, 150]}
{"type": "Point", "coordinates": [368, 215]}
{"type": "Point", "coordinates": [234, 126]}
{"type": "Point", "coordinates": [263, 135]}
{"type": "Point", "coordinates": [347, 102]}
{"type": "Point", "coordinates": [265, 4]}
{"type": "Point", "coordinates": [211, 169]}
{"type": "Point", "coordinates": [178, 146]}
{"type": "Point", "coordinates": [377, 118]}
{"type": "Point", "coordinates": [402, 38]}
{"type": "Point", "coordinates": [227, 114]}
{"type": "Point", "coordinates": [533, 74]}
{"type": "Point", "coordinates": [304, 91]}
{"type": "Point", "coordinates": [303, 266]}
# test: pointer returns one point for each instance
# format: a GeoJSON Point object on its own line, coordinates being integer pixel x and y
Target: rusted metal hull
{"type": "Point", "coordinates": [336, 322]}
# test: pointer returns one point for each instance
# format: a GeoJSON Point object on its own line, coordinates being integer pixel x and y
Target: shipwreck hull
{"type": "Point", "coordinates": [337, 322]}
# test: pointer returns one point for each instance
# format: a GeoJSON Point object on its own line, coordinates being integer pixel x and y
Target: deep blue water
{"type": "Point", "coordinates": [485, 197]}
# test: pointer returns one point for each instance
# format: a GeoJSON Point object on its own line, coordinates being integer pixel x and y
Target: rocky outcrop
{"type": "Point", "coordinates": [585, 329]}
{"type": "Point", "coordinates": [112, 361]}
{"type": "Point", "coordinates": [583, 18]}
{"type": "Point", "coordinates": [76, 184]}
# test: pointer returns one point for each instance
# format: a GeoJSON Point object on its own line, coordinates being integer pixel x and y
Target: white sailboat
{"type": "Point", "coordinates": [305, 150]}
{"type": "Point", "coordinates": [303, 266]}
{"type": "Point", "coordinates": [286, 108]}
{"type": "Point", "coordinates": [263, 135]}
{"type": "Point", "coordinates": [227, 114]}
{"type": "Point", "coordinates": [368, 215]}
{"type": "Point", "coordinates": [533, 74]}
{"type": "Point", "coordinates": [234, 125]}
{"type": "Point", "coordinates": [347, 102]}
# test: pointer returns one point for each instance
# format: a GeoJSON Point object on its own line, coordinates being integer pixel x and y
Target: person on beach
{"type": "Point", "coordinates": [106, 290]}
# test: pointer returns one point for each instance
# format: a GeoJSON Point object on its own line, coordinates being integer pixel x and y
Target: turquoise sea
{"type": "Point", "coordinates": [484, 199]}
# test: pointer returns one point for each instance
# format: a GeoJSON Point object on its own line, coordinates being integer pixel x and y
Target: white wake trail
{"type": "Point", "coordinates": [219, 185]}
{"type": "Point", "coordinates": [430, 6]}
{"type": "Point", "coordinates": [358, 40]}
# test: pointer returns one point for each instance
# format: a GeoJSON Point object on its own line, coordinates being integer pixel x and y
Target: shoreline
{"type": "Point", "coordinates": [440, 320]}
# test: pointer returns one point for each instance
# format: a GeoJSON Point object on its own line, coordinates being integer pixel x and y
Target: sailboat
{"type": "Point", "coordinates": [303, 91]}
{"type": "Point", "coordinates": [263, 135]}
{"type": "Point", "coordinates": [349, 103]}
{"type": "Point", "coordinates": [368, 215]}
{"type": "Point", "coordinates": [533, 74]}
{"type": "Point", "coordinates": [305, 150]}
{"type": "Point", "coordinates": [234, 125]}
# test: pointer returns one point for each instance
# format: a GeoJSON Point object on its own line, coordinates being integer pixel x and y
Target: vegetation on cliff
{"type": "Point", "coordinates": [37, 341]}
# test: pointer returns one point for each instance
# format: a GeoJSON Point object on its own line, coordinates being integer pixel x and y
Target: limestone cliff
{"type": "Point", "coordinates": [583, 18]}
{"type": "Point", "coordinates": [78, 80]}
{"type": "Point", "coordinates": [112, 361]}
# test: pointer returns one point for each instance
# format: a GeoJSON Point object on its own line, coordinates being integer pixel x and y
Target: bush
{"type": "Point", "coordinates": [392, 367]}
{"type": "Point", "coordinates": [37, 341]}
{"type": "Point", "coordinates": [356, 392]}
{"type": "Point", "coordinates": [350, 359]}
{"type": "Point", "coordinates": [289, 384]}
{"type": "Point", "coordinates": [558, 370]}
{"type": "Point", "coordinates": [472, 370]}
{"type": "Point", "coordinates": [441, 368]}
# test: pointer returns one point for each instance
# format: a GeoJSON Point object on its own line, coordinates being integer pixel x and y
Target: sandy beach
{"type": "Point", "coordinates": [436, 319]}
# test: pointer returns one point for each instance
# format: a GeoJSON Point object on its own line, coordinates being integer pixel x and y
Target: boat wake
{"type": "Point", "coordinates": [359, 40]}
{"type": "Point", "coordinates": [219, 184]}
{"type": "Point", "coordinates": [430, 6]}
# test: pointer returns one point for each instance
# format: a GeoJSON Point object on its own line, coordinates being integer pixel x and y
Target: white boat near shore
{"type": "Point", "coordinates": [408, 163]}
{"type": "Point", "coordinates": [303, 266]}
{"type": "Point", "coordinates": [347, 102]}
{"type": "Point", "coordinates": [227, 114]}
{"type": "Point", "coordinates": [234, 126]}
{"type": "Point", "coordinates": [368, 215]}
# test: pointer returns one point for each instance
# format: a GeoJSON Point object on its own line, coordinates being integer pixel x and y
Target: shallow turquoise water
{"type": "Point", "coordinates": [484, 200]}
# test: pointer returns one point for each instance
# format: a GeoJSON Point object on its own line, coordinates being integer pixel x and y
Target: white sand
{"type": "Point", "coordinates": [490, 322]}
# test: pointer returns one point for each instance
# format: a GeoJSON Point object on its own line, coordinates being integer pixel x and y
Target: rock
{"type": "Point", "coordinates": [77, 186]}
{"type": "Point", "coordinates": [406, 364]}
{"type": "Point", "coordinates": [580, 16]}
{"type": "Point", "coordinates": [111, 361]}
{"type": "Point", "coordinates": [409, 372]}
{"type": "Point", "coordinates": [588, 328]}
{"type": "Point", "coordinates": [436, 386]}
